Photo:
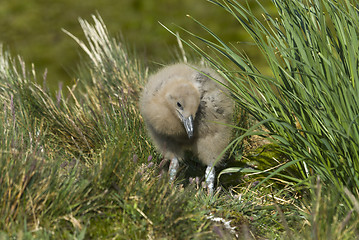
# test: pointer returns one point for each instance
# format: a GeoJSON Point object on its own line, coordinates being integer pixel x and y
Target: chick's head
{"type": "Point", "coordinates": [183, 100]}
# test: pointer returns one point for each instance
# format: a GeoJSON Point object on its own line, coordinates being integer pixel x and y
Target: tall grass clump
{"type": "Point", "coordinates": [309, 102]}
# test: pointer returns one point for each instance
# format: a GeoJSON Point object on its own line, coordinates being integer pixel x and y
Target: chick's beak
{"type": "Point", "coordinates": [188, 125]}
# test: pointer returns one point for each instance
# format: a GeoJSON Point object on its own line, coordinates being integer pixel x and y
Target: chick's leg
{"type": "Point", "coordinates": [173, 168]}
{"type": "Point", "coordinates": [209, 178]}
{"type": "Point", "coordinates": [209, 149]}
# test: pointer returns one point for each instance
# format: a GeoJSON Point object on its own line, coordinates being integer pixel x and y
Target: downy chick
{"type": "Point", "coordinates": [184, 109]}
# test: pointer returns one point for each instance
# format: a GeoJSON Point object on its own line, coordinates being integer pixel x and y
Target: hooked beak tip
{"type": "Point", "coordinates": [188, 125]}
{"type": "Point", "coordinates": [190, 135]}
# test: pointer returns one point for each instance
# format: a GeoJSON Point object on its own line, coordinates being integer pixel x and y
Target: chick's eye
{"type": "Point", "coordinates": [179, 105]}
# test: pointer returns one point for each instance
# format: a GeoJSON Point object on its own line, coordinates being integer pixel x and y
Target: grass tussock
{"type": "Point", "coordinates": [308, 105]}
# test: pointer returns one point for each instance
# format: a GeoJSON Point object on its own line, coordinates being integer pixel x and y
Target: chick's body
{"type": "Point", "coordinates": [179, 97]}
